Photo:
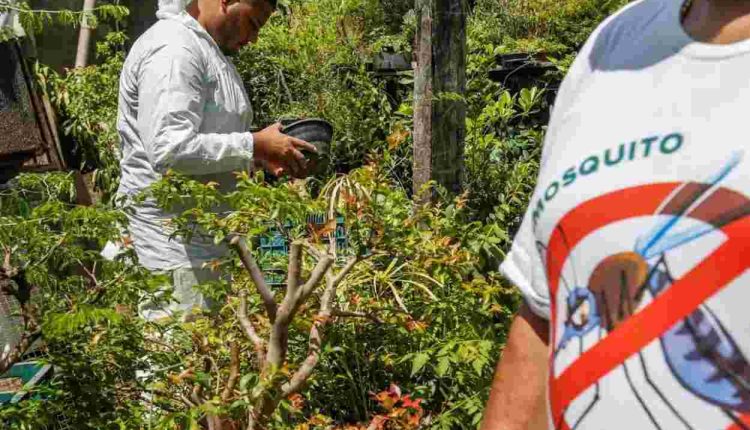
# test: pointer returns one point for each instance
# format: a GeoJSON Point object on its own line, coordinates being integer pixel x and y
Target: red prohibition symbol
{"type": "Point", "coordinates": [719, 208]}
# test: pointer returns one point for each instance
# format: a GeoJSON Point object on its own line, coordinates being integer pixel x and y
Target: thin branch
{"type": "Point", "coordinates": [312, 250]}
{"type": "Point", "coordinates": [195, 395]}
{"type": "Point", "coordinates": [294, 268]}
{"type": "Point", "coordinates": [12, 275]}
{"type": "Point", "coordinates": [4, 7]}
{"type": "Point", "coordinates": [321, 319]}
{"type": "Point", "coordinates": [305, 370]}
{"type": "Point", "coordinates": [315, 277]}
{"type": "Point", "coordinates": [234, 372]}
{"type": "Point", "coordinates": [16, 352]}
{"type": "Point", "coordinates": [347, 314]}
{"type": "Point", "coordinates": [397, 296]}
{"type": "Point", "coordinates": [89, 273]}
{"type": "Point", "coordinates": [48, 254]}
{"type": "Point", "coordinates": [183, 398]}
{"type": "Point", "coordinates": [348, 268]}
{"type": "Point", "coordinates": [8, 270]}
{"type": "Point", "coordinates": [256, 274]}
{"type": "Point", "coordinates": [247, 325]}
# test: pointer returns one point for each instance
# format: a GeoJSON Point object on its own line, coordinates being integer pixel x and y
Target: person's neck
{"type": "Point", "coordinates": [718, 21]}
{"type": "Point", "coordinates": [201, 10]}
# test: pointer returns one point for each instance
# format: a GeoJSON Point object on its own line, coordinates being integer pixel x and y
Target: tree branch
{"type": "Point", "coordinates": [256, 274]}
{"type": "Point", "coordinates": [321, 319]}
{"type": "Point", "coordinates": [247, 325]}
{"type": "Point", "coordinates": [316, 276]}
{"type": "Point", "coordinates": [348, 268]}
{"type": "Point", "coordinates": [305, 370]}
{"type": "Point", "coordinates": [10, 275]}
{"type": "Point", "coordinates": [293, 270]}
{"type": "Point", "coordinates": [277, 342]}
{"type": "Point", "coordinates": [347, 314]}
{"type": "Point", "coordinates": [16, 352]}
{"type": "Point", "coordinates": [312, 250]}
{"type": "Point", "coordinates": [234, 372]}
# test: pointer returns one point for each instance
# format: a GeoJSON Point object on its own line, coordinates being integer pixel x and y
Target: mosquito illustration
{"type": "Point", "coordinates": [698, 350]}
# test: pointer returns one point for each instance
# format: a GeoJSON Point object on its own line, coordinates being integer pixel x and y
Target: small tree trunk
{"type": "Point", "coordinates": [423, 96]}
{"type": "Point", "coordinates": [439, 85]}
{"type": "Point", "coordinates": [84, 37]}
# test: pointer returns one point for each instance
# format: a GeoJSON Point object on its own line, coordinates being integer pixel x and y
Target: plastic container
{"type": "Point", "coordinates": [30, 374]}
{"type": "Point", "coordinates": [274, 244]}
{"type": "Point", "coordinates": [317, 132]}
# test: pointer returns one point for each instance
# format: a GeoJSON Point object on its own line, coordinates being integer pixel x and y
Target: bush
{"type": "Point", "coordinates": [76, 309]}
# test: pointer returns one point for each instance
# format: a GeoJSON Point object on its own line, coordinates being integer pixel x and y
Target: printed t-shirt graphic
{"type": "Point", "coordinates": [699, 350]}
{"type": "Point", "coordinates": [635, 243]}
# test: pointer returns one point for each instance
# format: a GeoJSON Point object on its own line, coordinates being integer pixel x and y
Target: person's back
{"type": "Point", "coordinates": [633, 244]}
{"type": "Point", "coordinates": [148, 151]}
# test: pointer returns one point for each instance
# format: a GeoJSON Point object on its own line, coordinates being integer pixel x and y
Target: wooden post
{"type": "Point", "coordinates": [439, 87]}
{"type": "Point", "coordinates": [84, 37]}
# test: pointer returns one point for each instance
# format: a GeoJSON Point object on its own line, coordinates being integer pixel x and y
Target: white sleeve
{"type": "Point", "coordinates": [524, 265]}
{"type": "Point", "coordinates": [171, 101]}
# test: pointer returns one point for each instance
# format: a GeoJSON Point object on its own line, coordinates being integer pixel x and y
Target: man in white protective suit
{"type": "Point", "coordinates": [183, 106]}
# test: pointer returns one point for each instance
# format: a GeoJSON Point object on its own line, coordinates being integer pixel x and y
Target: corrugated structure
{"type": "Point", "coordinates": [28, 140]}
{"type": "Point", "coordinates": [10, 323]}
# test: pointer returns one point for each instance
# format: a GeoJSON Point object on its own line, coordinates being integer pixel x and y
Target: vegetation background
{"type": "Point", "coordinates": [436, 310]}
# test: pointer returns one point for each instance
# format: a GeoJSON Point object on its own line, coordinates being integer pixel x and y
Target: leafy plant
{"type": "Point", "coordinates": [74, 309]}
{"type": "Point", "coordinates": [34, 20]}
{"type": "Point", "coordinates": [86, 99]}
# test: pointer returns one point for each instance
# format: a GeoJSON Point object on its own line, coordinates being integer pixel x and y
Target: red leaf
{"type": "Point", "coordinates": [407, 402]}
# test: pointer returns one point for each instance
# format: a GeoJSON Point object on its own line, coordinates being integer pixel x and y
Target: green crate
{"type": "Point", "coordinates": [31, 373]}
{"type": "Point", "coordinates": [274, 244]}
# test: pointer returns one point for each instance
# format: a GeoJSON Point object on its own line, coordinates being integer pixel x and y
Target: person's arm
{"type": "Point", "coordinates": [518, 389]}
{"type": "Point", "coordinates": [171, 103]}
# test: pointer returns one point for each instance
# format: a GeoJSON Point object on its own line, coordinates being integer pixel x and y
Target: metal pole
{"type": "Point", "coordinates": [84, 37]}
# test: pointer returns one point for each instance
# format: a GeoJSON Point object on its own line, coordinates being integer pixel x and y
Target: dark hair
{"type": "Point", "coordinates": [272, 3]}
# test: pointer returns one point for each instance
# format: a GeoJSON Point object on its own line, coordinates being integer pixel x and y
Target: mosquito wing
{"type": "Point", "coordinates": [685, 200]}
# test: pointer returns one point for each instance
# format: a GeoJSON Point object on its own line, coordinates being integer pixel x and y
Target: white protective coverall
{"type": "Point", "coordinates": [170, 7]}
{"type": "Point", "coordinates": [182, 106]}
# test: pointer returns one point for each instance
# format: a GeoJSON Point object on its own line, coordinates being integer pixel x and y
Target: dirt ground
{"type": "Point", "coordinates": [10, 385]}
{"type": "Point", "coordinates": [17, 134]}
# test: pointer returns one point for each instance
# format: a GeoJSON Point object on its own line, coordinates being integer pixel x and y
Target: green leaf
{"type": "Point", "coordinates": [419, 361]}
{"type": "Point", "coordinates": [23, 208]}
{"type": "Point", "coordinates": [247, 380]}
{"type": "Point", "coordinates": [203, 378]}
{"type": "Point", "coordinates": [478, 366]}
{"type": "Point", "coordinates": [442, 367]}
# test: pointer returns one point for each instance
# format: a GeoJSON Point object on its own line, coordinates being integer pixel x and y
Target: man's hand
{"type": "Point", "coordinates": [279, 153]}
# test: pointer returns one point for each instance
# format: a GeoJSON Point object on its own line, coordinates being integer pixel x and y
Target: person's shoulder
{"type": "Point", "coordinates": [635, 35]}
{"type": "Point", "coordinates": [634, 17]}
{"type": "Point", "coordinates": [166, 40]}
{"type": "Point", "coordinates": [166, 33]}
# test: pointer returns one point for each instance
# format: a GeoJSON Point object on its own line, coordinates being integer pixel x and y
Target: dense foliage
{"type": "Point", "coordinates": [422, 319]}
{"type": "Point", "coordinates": [75, 307]}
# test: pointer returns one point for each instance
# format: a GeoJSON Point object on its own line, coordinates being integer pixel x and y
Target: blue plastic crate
{"type": "Point", "coordinates": [274, 244]}
{"type": "Point", "coordinates": [31, 373]}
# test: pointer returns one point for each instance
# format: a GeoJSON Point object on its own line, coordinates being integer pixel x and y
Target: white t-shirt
{"type": "Point", "coordinates": [636, 242]}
